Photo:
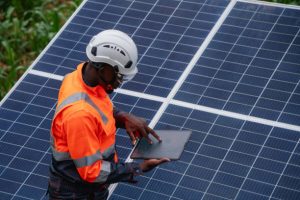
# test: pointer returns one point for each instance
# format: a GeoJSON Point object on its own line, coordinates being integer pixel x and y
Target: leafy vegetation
{"type": "Point", "coordinates": [295, 2]}
{"type": "Point", "coordinates": [27, 26]}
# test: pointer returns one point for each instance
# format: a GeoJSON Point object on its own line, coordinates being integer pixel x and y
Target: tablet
{"type": "Point", "coordinates": [171, 147]}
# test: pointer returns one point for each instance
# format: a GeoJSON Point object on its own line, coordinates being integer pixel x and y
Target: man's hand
{"type": "Point", "coordinates": [137, 128]}
{"type": "Point", "coordinates": [148, 165]}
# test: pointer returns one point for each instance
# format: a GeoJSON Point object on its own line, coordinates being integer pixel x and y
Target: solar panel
{"type": "Point", "coordinates": [227, 70]}
{"type": "Point", "coordinates": [246, 67]}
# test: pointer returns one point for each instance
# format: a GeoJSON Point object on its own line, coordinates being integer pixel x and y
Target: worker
{"type": "Point", "coordinates": [84, 158]}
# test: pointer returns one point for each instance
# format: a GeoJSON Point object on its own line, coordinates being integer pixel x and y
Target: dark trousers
{"type": "Point", "coordinates": [60, 189]}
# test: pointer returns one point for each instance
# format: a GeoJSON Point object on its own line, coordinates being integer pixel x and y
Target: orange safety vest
{"type": "Point", "coordinates": [83, 128]}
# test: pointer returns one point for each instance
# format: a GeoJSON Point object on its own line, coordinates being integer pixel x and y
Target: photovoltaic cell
{"type": "Point", "coordinates": [241, 70]}
{"type": "Point", "coordinates": [25, 141]}
{"type": "Point", "coordinates": [24, 145]}
{"type": "Point", "coordinates": [167, 33]}
{"type": "Point", "coordinates": [249, 67]}
{"type": "Point", "coordinates": [252, 162]}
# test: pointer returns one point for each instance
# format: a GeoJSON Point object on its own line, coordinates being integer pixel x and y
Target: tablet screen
{"type": "Point", "coordinates": [171, 147]}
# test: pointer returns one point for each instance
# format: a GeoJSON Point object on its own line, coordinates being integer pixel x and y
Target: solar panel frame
{"type": "Point", "coordinates": [212, 116]}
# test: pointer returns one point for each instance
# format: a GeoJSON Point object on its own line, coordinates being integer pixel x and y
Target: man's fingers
{"type": "Point", "coordinates": [153, 133]}
{"type": "Point", "coordinates": [144, 134]}
{"type": "Point", "coordinates": [132, 137]}
{"type": "Point", "coordinates": [163, 160]}
{"type": "Point", "coordinates": [148, 165]}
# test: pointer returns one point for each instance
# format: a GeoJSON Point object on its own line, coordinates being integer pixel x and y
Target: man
{"type": "Point", "coordinates": [84, 160]}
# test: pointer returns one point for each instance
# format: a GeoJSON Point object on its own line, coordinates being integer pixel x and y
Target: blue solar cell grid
{"type": "Point", "coordinates": [168, 34]}
{"type": "Point", "coordinates": [25, 120]}
{"type": "Point", "coordinates": [251, 65]}
{"type": "Point", "coordinates": [225, 158]}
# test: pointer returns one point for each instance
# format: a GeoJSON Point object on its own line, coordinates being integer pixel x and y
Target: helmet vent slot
{"type": "Point", "coordinates": [122, 52]}
{"type": "Point", "coordinates": [114, 47]}
{"type": "Point", "coordinates": [128, 65]}
{"type": "Point", "coordinates": [94, 51]}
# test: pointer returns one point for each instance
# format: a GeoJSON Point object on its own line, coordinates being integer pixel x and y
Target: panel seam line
{"type": "Point", "coordinates": [187, 105]}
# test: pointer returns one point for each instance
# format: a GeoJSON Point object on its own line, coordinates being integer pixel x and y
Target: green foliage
{"type": "Point", "coordinates": [294, 2]}
{"type": "Point", "coordinates": [26, 27]}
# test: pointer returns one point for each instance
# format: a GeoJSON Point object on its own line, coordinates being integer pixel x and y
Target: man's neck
{"type": "Point", "coordinates": [86, 77]}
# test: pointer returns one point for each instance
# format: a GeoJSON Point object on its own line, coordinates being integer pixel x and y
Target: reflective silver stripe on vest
{"type": "Point", "coordinates": [108, 152]}
{"type": "Point", "coordinates": [77, 97]}
{"type": "Point", "coordinates": [105, 171]}
{"type": "Point", "coordinates": [58, 156]}
{"type": "Point", "coordinates": [88, 160]}
{"type": "Point", "coordinates": [61, 156]}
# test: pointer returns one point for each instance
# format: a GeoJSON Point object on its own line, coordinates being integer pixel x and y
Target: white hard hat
{"type": "Point", "coordinates": [115, 48]}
